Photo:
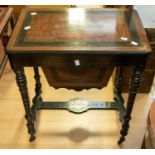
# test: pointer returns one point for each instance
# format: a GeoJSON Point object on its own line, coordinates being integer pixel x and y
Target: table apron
{"type": "Point", "coordinates": [64, 60]}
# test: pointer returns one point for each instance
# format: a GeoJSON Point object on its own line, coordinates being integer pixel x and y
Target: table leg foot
{"type": "Point", "coordinates": [32, 138]}
{"type": "Point", "coordinates": [122, 138]}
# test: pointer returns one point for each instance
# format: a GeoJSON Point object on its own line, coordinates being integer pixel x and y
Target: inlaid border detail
{"type": "Point", "coordinates": [132, 32]}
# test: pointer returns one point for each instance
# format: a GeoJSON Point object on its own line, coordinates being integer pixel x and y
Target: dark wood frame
{"type": "Point", "coordinates": [21, 57]}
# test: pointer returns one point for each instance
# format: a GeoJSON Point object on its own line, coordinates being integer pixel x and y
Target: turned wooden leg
{"type": "Point", "coordinates": [22, 84]}
{"type": "Point", "coordinates": [118, 88]}
{"type": "Point", "coordinates": [134, 84]}
{"type": "Point", "coordinates": [118, 93]}
{"type": "Point", "coordinates": [38, 90]}
{"type": "Point", "coordinates": [37, 98]}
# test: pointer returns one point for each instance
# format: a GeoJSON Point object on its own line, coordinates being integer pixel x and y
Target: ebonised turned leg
{"type": "Point", "coordinates": [38, 85]}
{"type": "Point", "coordinates": [118, 93]}
{"type": "Point", "coordinates": [134, 84]}
{"type": "Point", "coordinates": [118, 89]}
{"type": "Point", "coordinates": [22, 84]}
{"type": "Point", "coordinates": [37, 98]}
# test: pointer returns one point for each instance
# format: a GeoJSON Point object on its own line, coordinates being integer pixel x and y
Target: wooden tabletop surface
{"type": "Point", "coordinates": [78, 29]}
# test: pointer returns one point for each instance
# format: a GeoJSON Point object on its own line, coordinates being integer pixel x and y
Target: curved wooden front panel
{"type": "Point", "coordinates": [78, 79]}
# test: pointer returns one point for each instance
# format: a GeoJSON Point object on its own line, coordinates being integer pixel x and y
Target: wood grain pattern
{"type": "Point", "coordinates": [92, 77]}
{"type": "Point", "coordinates": [5, 13]}
{"type": "Point", "coordinates": [93, 29]}
{"type": "Point", "coordinates": [59, 27]}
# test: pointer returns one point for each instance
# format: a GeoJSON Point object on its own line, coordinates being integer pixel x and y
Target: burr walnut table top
{"type": "Point", "coordinates": [80, 30]}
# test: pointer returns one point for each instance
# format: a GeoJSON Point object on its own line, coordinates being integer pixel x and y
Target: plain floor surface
{"type": "Point", "coordinates": [62, 129]}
